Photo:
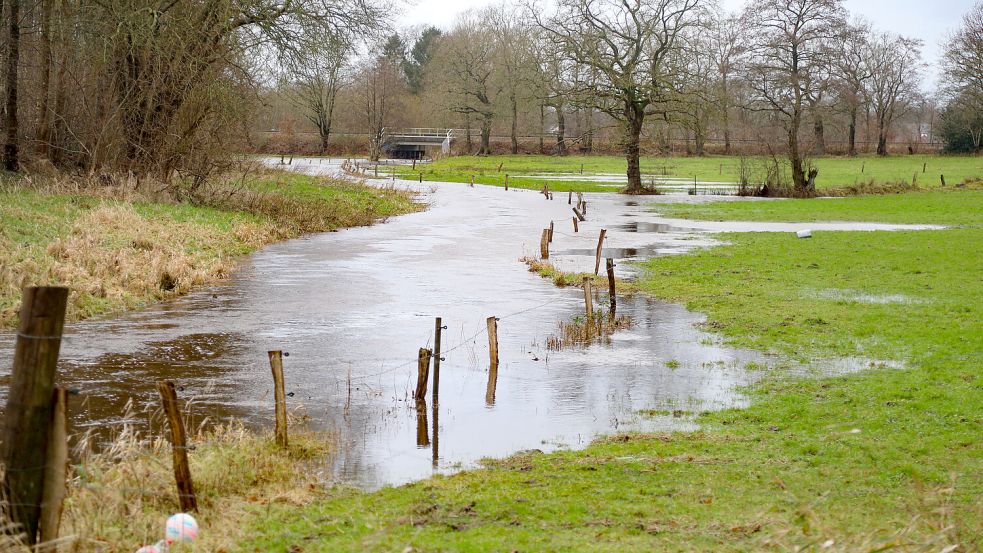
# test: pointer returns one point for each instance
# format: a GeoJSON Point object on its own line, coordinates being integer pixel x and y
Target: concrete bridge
{"type": "Point", "coordinates": [414, 143]}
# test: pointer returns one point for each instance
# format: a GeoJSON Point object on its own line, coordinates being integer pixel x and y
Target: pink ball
{"type": "Point", "coordinates": [181, 527]}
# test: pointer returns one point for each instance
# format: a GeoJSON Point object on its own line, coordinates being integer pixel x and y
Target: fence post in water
{"type": "Point", "coordinates": [611, 287]}
{"type": "Point", "coordinates": [506, 181]}
{"type": "Point", "coordinates": [279, 397]}
{"type": "Point", "coordinates": [436, 358]}
{"type": "Point", "coordinates": [579, 215]}
{"type": "Point", "coordinates": [551, 232]}
{"type": "Point", "coordinates": [56, 468]}
{"type": "Point", "coordinates": [597, 256]}
{"type": "Point", "coordinates": [29, 404]}
{"type": "Point", "coordinates": [576, 227]}
{"type": "Point", "coordinates": [493, 342]}
{"type": "Point", "coordinates": [421, 177]}
{"type": "Point", "coordinates": [569, 197]}
{"type": "Point", "coordinates": [472, 181]}
{"type": "Point", "coordinates": [544, 244]}
{"type": "Point", "coordinates": [588, 299]}
{"type": "Point", "coordinates": [422, 372]}
{"type": "Point", "coordinates": [179, 446]}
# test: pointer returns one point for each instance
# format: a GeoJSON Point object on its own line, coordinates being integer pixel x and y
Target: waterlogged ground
{"type": "Point", "coordinates": [352, 308]}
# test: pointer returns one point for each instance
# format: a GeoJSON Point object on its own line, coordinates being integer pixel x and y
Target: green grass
{"type": "Point", "coordinates": [953, 207]}
{"type": "Point", "coordinates": [885, 457]}
{"type": "Point", "coordinates": [833, 171]}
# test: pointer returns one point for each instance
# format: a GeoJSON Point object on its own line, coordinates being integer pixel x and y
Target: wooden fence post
{"type": "Point", "coordinates": [576, 227]}
{"type": "Point", "coordinates": [422, 436]}
{"type": "Point", "coordinates": [588, 300]}
{"type": "Point", "coordinates": [421, 177]}
{"type": "Point", "coordinates": [942, 178]}
{"type": "Point", "coordinates": [597, 256]}
{"type": "Point", "coordinates": [493, 341]}
{"type": "Point", "coordinates": [279, 397]}
{"type": "Point", "coordinates": [472, 181]}
{"type": "Point", "coordinates": [422, 373]}
{"type": "Point", "coordinates": [506, 181]}
{"type": "Point", "coordinates": [579, 214]}
{"type": "Point", "coordinates": [611, 286]}
{"type": "Point", "coordinates": [56, 468]}
{"type": "Point", "coordinates": [29, 406]}
{"type": "Point", "coordinates": [569, 197]}
{"type": "Point", "coordinates": [179, 446]}
{"type": "Point", "coordinates": [544, 244]}
{"type": "Point", "coordinates": [436, 359]}
{"type": "Point", "coordinates": [551, 232]}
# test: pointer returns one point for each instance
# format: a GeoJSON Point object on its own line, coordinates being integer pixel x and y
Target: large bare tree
{"type": "Point", "coordinates": [626, 44]}
{"type": "Point", "coordinates": [894, 64]}
{"type": "Point", "coordinates": [314, 77]}
{"type": "Point", "coordinates": [790, 53]}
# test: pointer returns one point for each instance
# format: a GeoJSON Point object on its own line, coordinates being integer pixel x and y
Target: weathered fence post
{"type": "Point", "coordinates": [924, 166]}
{"type": "Point", "coordinates": [588, 299]}
{"type": "Point", "coordinates": [611, 286]}
{"type": "Point", "coordinates": [597, 256]}
{"type": "Point", "coordinates": [579, 214]}
{"type": "Point", "coordinates": [942, 178]}
{"type": "Point", "coordinates": [56, 468]}
{"type": "Point", "coordinates": [179, 446]}
{"type": "Point", "coordinates": [914, 178]}
{"type": "Point", "coordinates": [279, 397]}
{"type": "Point", "coordinates": [29, 405]}
{"type": "Point", "coordinates": [544, 244]}
{"type": "Point", "coordinates": [493, 341]}
{"type": "Point", "coordinates": [472, 181]}
{"type": "Point", "coordinates": [422, 436]}
{"type": "Point", "coordinates": [506, 181]}
{"type": "Point", "coordinates": [421, 177]}
{"type": "Point", "coordinates": [414, 164]}
{"type": "Point", "coordinates": [422, 372]}
{"type": "Point", "coordinates": [551, 232]}
{"type": "Point", "coordinates": [576, 227]}
{"type": "Point", "coordinates": [436, 359]}
{"type": "Point", "coordinates": [569, 197]}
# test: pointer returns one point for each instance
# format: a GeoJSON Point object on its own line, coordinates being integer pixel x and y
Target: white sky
{"type": "Point", "coordinates": [929, 20]}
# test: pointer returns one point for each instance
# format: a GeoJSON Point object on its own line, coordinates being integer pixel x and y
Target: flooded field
{"type": "Point", "coordinates": [352, 308]}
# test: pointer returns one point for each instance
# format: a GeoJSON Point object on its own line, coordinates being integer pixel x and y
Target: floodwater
{"type": "Point", "coordinates": [352, 308]}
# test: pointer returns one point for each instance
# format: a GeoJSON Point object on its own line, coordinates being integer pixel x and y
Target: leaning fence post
{"type": "Point", "coordinates": [56, 468]}
{"type": "Point", "coordinates": [579, 214]}
{"type": "Point", "coordinates": [179, 446]}
{"type": "Point", "coordinates": [576, 227]}
{"type": "Point", "coordinates": [29, 405]}
{"type": "Point", "coordinates": [493, 341]}
{"type": "Point", "coordinates": [422, 373]}
{"type": "Point", "coordinates": [279, 397]}
{"type": "Point", "coordinates": [597, 256]}
{"type": "Point", "coordinates": [588, 299]}
{"type": "Point", "coordinates": [611, 286]}
{"type": "Point", "coordinates": [544, 244]}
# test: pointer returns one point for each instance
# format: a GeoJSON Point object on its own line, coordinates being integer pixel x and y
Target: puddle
{"type": "Point", "coordinates": [838, 294]}
{"type": "Point", "coordinates": [353, 307]}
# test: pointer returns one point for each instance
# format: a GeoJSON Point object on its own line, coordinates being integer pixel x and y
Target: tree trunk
{"type": "Point", "coordinates": [542, 128]}
{"type": "Point", "coordinates": [468, 141]}
{"type": "Point", "coordinates": [589, 134]}
{"type": "Point", "coordinates": [635, 116]}
{"type": "Point", "coordinates": [795, 157]}
{"type": "Point", "coordinates": [725, 112]}
{"type": "Point", "coordinates": [881, 137]}
{"type": "Point", "coordinates": [561, 129]}
{"type": "Point", "coordinates": [852, 132]}
{"type": "Point", "coordinates": [819, 132]}
{"type": "Point", "coordinates": [486, 125]}
{"type": "Point", "coordinates": [10, 146]}
{"type": "Point", "coordinates": [43, 133]}
{"type": "Point", "coordinates": [515, 124]}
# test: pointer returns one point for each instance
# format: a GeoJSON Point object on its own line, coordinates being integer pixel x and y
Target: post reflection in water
{"type": "Point", "coordinates": [422, 438]}
{"type": "Point", "coordinates": [492, 385]}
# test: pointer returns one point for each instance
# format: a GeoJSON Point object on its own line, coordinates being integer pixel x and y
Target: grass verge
{"type": "Point", "coordinates": [883, 459]}
{"type": "Point", "coordinates": [121, 247]}
{"type": "Point", "coordinates": [838, 174]}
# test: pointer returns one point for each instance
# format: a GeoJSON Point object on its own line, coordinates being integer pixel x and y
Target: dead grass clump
{"type": "Point", "coordinates": [585, 330]}
{"type": "Point", "coordinates": [119, 498]}
{"type": "Point", "coordinates": [871, 188]}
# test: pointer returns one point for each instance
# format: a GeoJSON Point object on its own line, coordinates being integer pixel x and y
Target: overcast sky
{"type": "Point", "coordinates": [928, 20]}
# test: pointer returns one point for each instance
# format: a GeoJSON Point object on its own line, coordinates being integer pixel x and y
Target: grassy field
{"type": "Point", "coordinates": [833, 171]}
{"type": "Point", "coordinates": [117, 249]}
{"type": "Point", "coordinates": [881, 459]}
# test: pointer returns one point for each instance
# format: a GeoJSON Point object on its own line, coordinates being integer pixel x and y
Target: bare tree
{"type": "Point", "coordinates": [726, 44]}
{"type": "Point", "coordinates": [895, 67]}
{"type": "Point", "coordinates": [852, 73]}
{"type": "Point", "coordinates": [380, 88]}
{"type": "Point", "coordinates": [789, 61]}
{"type": "Point", "coordinates": [11, 145]}
{"type": "Point", "coordinates": [315, 75]}
{"type": "Point", "coordinates": [626, 44]}
{"type": "Point", "coordinates": [513, 55]}
{"type": "Point", "coordinates": [962, 70]}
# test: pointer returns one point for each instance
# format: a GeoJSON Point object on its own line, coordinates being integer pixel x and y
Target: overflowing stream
{"type": "Point", "coordinates": [352, 308]}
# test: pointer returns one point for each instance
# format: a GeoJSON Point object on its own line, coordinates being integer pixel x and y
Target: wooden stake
{"type": "Point", "coordinates": [579, 214]}
{"type": "Point", "coordinates": [863, 165]}
{"type": "Point", "coordinates": [279, 396]}
{"type": "Point", "coordinates": [551, 232]}
{"type": "Point", "coordinates": [588, 299]}
{"type": "Point", "coordinates": [24, 448]}
{"type": "Point", "coordinates": [422, 373]}
{"type": "Point", "coordinates": [493, 342]}
{"type": "Point", "coordinates": [472, 181]}
{"type": "Point", "coordinates": [942, 178]}
{"type": "Point", "coordinates": [569, 197]}
{"type": "Point", "coordinates": [506, 181]}
{"type": "Point", "coordinates": [544, 244]}
{"type": "Point", "coordinates": [914, 178]}
{"type": "Point", "coordinates": [179, 446]}
{"type": "Point", "coordinates": [924, 166]}
{"type": "Point", "coordinates": [597, 256]}
{"type": "Point", "coordinates": [612, 293]}
{"type": "Point", "coordinates": [414, 164]}
{"type": "Point", "coordinates": [422, 436]}
{"type": "Point", "coordinates": [436, 359]}
{"type": "Point", "coordinates": [56, 468]}
{"type": "Point", "coordinates": [421, 177]}
{"type": "Point", "coordinates": [576, 227]}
